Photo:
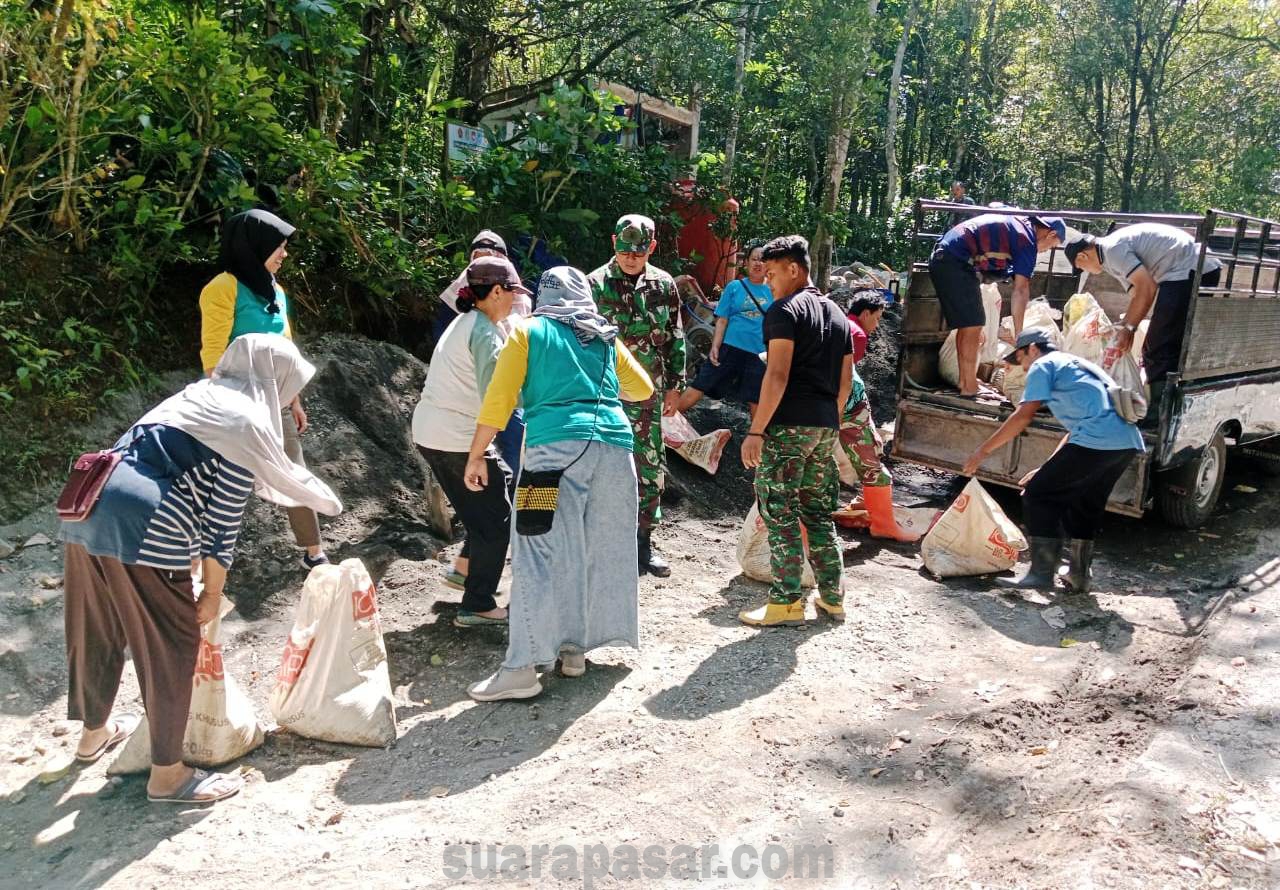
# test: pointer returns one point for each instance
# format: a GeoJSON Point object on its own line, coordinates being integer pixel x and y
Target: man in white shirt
{"type": "Point", "coordinates": [1157, 264]}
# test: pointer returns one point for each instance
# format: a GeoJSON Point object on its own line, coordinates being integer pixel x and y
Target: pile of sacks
{"type": "Point", "coordinates": [1085, 331]}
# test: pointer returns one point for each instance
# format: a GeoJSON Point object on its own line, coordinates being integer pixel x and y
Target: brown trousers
{"type": "Point", "coordinates": [110, 605]}
{"type": "Point", "coordinates": [303, 521]}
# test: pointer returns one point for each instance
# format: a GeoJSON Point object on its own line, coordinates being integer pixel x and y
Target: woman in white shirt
{"type": "Point", "coordinates": [445, 421]}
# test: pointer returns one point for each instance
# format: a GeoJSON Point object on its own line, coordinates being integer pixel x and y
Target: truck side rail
{"type": "Point", "coordinates": [1234, 326]}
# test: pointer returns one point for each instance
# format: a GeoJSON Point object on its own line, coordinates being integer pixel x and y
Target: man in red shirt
{"type": "Point", "coordinates": [858, 436]}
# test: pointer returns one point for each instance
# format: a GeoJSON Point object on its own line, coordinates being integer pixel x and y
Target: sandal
{"type": "Point", "coordinates": [202, 781]}
{"type": "Point", "coordinates": [473, 619]}
{"type": "Point", "coordinates": [125, 725]}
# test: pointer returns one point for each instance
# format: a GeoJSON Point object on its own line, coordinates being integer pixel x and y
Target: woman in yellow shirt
{"type": "Point", "coordinates": [244, 298]}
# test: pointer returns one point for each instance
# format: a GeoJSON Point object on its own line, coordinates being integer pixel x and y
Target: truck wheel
{"type": "Point", "coordinates": [1188, 494]}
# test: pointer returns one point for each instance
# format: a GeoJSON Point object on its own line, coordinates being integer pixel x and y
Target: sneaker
{"type": "Point", "coordinates": [573, 663]}
{"type": "Point", "coordinates": [775, 615]}
{"type": "Point", "coordinates": [456, 580]}
{"type": "Point", "coordinates": [506, 684]}
{"type": "Point", "coordinates": [833, 610]}
{"type": "Point", "coordinates": [310, 562]}
{"type": "Point", "coordinates": [473, 619]}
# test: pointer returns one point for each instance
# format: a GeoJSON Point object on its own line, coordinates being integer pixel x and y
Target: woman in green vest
{"type": "Point", "coordinates": [245, 298]}
{"type": "Point", "coordinates": [573, 563]}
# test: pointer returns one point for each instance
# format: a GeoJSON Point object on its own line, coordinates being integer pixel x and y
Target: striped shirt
{"type": "Point", "coordinates": [994, 243]}
{"type": "Point", "coordinates": [170, 501]}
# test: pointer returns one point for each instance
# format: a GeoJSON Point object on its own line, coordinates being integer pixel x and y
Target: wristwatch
{"type": "Point", "coordinates": [1131, 328]}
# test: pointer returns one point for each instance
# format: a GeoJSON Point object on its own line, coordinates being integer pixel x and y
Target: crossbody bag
{"type": "Point", "coordinates": [538, 491]}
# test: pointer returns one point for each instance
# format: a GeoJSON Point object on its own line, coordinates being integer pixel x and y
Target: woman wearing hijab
{"type": "Point", "coordinates": [246, 299]}
{"type": "Point", "coordinates": [172, 505]}
{"type": "Point", "coordinates": [444, 423]}
{"type": "Point", "coordinates": [574, 552]}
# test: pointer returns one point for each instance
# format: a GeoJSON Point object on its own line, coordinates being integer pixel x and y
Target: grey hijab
{"type": "Point", "coordinates": [564, 295]}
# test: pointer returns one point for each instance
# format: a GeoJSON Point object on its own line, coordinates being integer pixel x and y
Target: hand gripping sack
{"type": "Point", "coordinates": [333, 683]}
{"type": "Point", "coordinates": [701, 451]}
{"type": "Point", "coordinates": [753, 551]}
{"type": "Point", "coordinates": [221, 724]}
{"type": "Point", "coordinates": [973, 537]}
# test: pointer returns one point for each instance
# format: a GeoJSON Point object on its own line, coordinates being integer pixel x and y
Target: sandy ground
{"type": "Point", "coordinates": [943, 736]}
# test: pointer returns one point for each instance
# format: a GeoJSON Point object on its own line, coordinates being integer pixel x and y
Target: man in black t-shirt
{"type": "Point", "coordinates": [810, 365]}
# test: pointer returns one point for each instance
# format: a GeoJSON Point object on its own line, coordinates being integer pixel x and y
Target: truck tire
{"type": "Point", "coordinates": [1188, 494]}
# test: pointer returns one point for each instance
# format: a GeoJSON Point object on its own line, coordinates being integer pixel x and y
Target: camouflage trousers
{"type": "Point", "coordinates": [862, 445]}
{"type": "Point", "coordinates": [797, 487]}
{"type": "Point", "coordinates": [650, 456]}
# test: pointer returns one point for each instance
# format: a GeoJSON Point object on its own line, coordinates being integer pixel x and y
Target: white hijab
{"type": "Point", "coordinates": [236, 413]}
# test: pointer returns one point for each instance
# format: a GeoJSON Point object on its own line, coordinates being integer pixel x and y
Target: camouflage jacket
{"type": "Point", "coordinates": [647, 314]}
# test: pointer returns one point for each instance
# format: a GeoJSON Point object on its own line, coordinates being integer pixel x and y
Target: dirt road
{"type": "Point", "coordinates": [943, 736]}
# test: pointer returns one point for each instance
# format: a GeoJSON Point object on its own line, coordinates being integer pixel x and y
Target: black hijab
{"type": "Point", "coordinates": [248, 240]}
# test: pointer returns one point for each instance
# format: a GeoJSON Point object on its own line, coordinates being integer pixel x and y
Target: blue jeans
{"type": "Point", "coordinates": [510, 441]}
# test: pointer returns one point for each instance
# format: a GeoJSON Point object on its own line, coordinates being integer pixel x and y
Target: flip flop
{"type": "Point", "coordinates": [200, 781]}
{"type": "Point", "coordinates": [471, 619]}
{"type": "Point", "coordinates": [125, 725]}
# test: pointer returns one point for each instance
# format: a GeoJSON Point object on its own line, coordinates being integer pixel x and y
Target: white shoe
{"type": "Point", "coordinates": [506, 684]}
{"type": "Point", "coordinates": [573, 663]}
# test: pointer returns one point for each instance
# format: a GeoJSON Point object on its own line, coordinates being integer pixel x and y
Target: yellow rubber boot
{"type": "Point", "coordinates": [834, 610]}
{"type": "Point", "coordinates": [879, 499]}
{"type": "Point", "coordinates": [775, 615]}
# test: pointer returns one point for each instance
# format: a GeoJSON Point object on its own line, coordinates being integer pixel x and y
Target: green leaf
{"type": "Point", "coordinates": [34, 116]}
{"type": "Point", "coordinates": [134, 182]}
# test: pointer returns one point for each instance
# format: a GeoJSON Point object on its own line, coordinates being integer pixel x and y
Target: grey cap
{"type": "Point", "coordinates": [1030, 337]}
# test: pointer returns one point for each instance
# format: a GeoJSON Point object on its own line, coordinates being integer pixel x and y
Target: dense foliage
{"type": "Point", "coordinates": [128, 128]}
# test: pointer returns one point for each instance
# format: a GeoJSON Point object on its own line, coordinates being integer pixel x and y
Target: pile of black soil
{"type": "Point", "coordinates": [879, 367]}
{"type": "Point", "coordinates": [360, 406]}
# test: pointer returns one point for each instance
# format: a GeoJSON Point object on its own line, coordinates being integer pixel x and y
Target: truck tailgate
{"type": "Point", "coordinates": [935, 432]}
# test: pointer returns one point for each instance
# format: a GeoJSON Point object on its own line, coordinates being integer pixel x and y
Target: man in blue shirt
{"type": "Point", "coordinates": [734, 366]}
{"type": "Point", "coordinates": [996, 245]}
{"type": "Point", "coordinates": [1070, 491]}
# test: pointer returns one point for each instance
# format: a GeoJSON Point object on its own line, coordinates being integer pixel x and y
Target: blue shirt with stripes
{"type": "Point", "coordinates": [171, 500]}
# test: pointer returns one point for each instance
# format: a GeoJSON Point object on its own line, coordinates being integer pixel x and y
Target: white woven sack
{"type": "Point", "coordinates": [753, 551]}
{"type": "Point", "coordinates": [333, 683]}
{"type": "Point", "coordinates": [221, 723]}
{"type": "Point", "coordinates": [973, 537]}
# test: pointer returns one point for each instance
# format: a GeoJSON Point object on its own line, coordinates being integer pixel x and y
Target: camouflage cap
{"type": "Point", "coordinates": [633, 234]}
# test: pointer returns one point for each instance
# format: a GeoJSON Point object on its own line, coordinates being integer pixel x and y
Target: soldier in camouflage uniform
{"type": "Point", "coordinates": [643, 302]}
{"type": "Point", "coordinates": [808, 376]}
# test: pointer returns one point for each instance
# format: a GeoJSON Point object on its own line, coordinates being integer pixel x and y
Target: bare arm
{"type": "Point", "coordinates": [1140, 302]}
{"type": "Point", "coordinates": [476, 475]}
{"type": "Point", "coordinates": [846, 384]}
{"type": "Point", "coordinates": [1018, 304]}
{"type": "Point", "coordinates": [717, 339]}
{"type": "Point", "coordinates": [214, 577]}
{"type": "Point", "coordinates": [1008, 431]}
{"type": "Point", "coordinates": [776, 376]}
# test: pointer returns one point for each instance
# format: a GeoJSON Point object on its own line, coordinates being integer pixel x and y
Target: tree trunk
{"type": "Point", "coordinates": [1100, 145]}
{"type": "Point", "coordinates": [962, 124]}
{"type": "Point", "coordinates": [745, 18]}
{"type": "Point", "coordinates": [1131, 130]}
{"type": "Point", "coordinates": [891, 121]}
{"type": "Point", "coordinates": [844, 102]}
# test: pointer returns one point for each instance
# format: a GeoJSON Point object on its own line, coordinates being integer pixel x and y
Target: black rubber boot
{"type": "Point", "coordinates": [1079, 574]}
{"type": "Point", "coordinates": [650, 560]}
{"type": "Point", "coordinates": [1044, 566]}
